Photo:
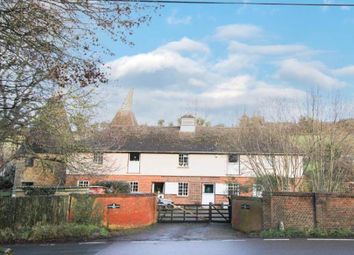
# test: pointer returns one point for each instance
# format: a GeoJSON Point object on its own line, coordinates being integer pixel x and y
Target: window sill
{"type": "Point", "coordinates": [183, 167]}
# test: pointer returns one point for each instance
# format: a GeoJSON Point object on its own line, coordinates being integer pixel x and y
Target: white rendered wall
{"type": "Point", "coordinates": [199, 165]}
{"type": "Point", "coordinates": [167, 165]}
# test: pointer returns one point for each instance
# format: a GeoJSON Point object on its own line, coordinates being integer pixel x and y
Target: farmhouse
{"type": "Point", "coordinates": [186, 163]}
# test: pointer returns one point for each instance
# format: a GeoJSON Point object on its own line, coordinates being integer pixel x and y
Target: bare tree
{"type": "Point", "coordinates": [272, 153]}
{"type": "Point", "coordinates": [46, 44]}
{"type": "Point", "coordinates": [329, 145]}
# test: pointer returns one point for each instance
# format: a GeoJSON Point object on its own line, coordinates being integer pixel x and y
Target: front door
{"type": "Point", "coordinates": [208, 195]}
{"type": "Point", "coordinates": [158, 188]}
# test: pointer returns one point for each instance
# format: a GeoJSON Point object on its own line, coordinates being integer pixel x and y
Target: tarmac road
{"type": "Point", "coordinates": [195, 239]}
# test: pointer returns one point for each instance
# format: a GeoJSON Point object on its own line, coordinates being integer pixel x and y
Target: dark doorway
{"type": "Point", "coordinates": [158, 187]}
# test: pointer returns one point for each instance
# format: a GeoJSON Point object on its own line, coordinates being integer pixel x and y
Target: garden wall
{"type": "Point", "coordinates": [135, 210]}
{"type": "Point", "coordinates": [126, 210]}
{"type": "Point", "coordinates": [308, 210]}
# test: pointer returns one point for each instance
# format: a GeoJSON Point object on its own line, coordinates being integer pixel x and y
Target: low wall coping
{"type": "Point", "coordinates": [247, 198]}
{"type": "Point", "coordinates": [117, 195]}
{"type": "Point", "coordinates": [308, 194]}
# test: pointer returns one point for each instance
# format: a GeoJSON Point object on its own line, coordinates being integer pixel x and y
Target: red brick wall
{"type": "Point", "coordinates": [308, 210]}
{"type": "Point", "coordinates": [335, 211]}
{"type": "Point", "coordinates": [145, 184]}
{"type": "Point", "coordinates": [136, 210]}
{"type": "Point", "coordinates": [295, 211]}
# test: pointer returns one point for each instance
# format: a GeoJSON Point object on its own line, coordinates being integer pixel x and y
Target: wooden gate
{"type": "Point", "coordinates": [194, 213]}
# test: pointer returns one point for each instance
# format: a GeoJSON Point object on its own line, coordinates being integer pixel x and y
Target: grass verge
{"type": "Point", "coordinates": [306, 233]}
{"type": "Point", "coordinates": [62, 232]}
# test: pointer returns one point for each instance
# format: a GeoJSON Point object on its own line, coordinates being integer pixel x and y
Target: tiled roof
{"type": "Point", "coordinates": [170, 140]}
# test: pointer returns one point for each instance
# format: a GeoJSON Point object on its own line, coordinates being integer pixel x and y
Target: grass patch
{"type": "Point", "coordinates": [305, 233]}
{"type": "Point", "coordinates": [62, 232]}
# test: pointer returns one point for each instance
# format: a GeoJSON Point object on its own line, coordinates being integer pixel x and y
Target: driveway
{"type": "Point", "coordinates": [184, 232]}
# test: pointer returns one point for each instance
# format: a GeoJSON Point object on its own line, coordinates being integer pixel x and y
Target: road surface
{"type": "Point", "coordinates": [195, 239]}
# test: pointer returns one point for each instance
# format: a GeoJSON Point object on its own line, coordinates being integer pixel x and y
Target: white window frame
{"type": "Point", "coordinates": [83, 183]}
{"type": "Point", "coordinates": [133, 185]}
{"type": "Point", "coordinates": [183, 160]}
{"type": "Point", "coordinates": [257, 190]}
{"type": "Point", "coordinates": [233, 189]}
{"type": "Point", "coordinates": [98, 158]}
{"type": "Point", "coordinates": [183, 189]}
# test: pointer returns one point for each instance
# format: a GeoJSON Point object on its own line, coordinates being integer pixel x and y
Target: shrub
{"type": "Point", "coordinates": [36, 191]}
{"type": "Point", "coordinates": [7, 235]}
{"type": "Point", "coordinates": [115, 187]}
{"type": "Point", "coordinates": [86, 211]}
{"type": "Point", "coordinates": [341, 233]}
{"type": "Point", "coordinates": [68, 231]}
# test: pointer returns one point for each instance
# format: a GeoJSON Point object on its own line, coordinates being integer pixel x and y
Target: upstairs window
{"type": "Point", "coordinates": [183, 160]}
{"type": "Point", "coordinates": [234, 158]}
{"type": "Point", "coordinates": [134, 156]}
{"type": "Point", "coordinates": [98, 157]}
{"type": "Point", "coordinates": [29, 162]}
{"type": "Point", "coordinates": [83, 183]}
{"type": "Point", "coordinates": [233, 189]}
{"type": "Point", "coordinates": [27, 184]}
{"type": "Point", "coordinates": [134, 187]}
{"type": "Point", "coordinates": [183, 189]}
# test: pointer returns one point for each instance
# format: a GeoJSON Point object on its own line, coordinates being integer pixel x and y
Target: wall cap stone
{"type": "Point", "coordinates": [117, 195]}
{"type": "Point", "coordinates": [308, 194]}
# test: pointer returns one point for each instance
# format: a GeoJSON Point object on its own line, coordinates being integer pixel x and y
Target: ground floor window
{"type": "Point", "coordinates": [182, 189]}
{"type": "Point", "coordinates": [233, 189]}
{"type": "Point", "coordinates": [83, 183]}
{"type": "Point", "coordinates": [257, 190]}
{"type": "Point", "coordinates": [134, 187]}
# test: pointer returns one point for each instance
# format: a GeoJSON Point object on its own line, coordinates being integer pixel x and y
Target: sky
{"type": "Point", "coordinates": [219, 62]}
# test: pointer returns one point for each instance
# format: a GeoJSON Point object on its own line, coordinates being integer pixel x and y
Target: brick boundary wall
{"type": "Point", "coordinates": [308, 210]}
{"type": "Point", "coordinates": [133, 210]}
{"type": "Point", "coordinates": [136, 210]}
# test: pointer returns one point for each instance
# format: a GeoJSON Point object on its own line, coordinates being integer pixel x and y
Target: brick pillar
{"type": "Point", "coordinates": [267, 210]}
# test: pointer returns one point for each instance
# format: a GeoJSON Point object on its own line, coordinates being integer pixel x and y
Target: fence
{"type": "Point", "coordinates": [118, 211]}
{"type": "Point", "coordinates": [28, 211]}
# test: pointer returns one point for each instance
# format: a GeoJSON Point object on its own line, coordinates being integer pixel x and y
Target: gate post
{"type": "Point", "coordinates": [210, 213]}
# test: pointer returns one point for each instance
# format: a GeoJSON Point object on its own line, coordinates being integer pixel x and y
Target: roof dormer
{"type": "Point", "coordinates": [188, 124]}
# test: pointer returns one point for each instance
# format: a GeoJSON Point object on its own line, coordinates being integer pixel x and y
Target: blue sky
{"type": "Point", "coordinates": [220, 61]}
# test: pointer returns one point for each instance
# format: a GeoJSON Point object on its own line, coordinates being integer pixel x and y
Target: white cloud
{"type": "Point", "coordinates": [178, 76]}
{"type": "Point", "coordinates": [238, 31]}
{"type": "Point", "coordinates": [186, 44]}
{"type": "Point", "coordinates": [174, 20]}
{"type": "Point", "coordinates": [275, 49]}
{"type": "Point", "coordinates": [308, 73]}
{"type": "Point", "coordinates": [247, 90]}
{"type": "Point", "coordinates": [152, 62]}
{"type": "Point", "coordinates": [345, 71]}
